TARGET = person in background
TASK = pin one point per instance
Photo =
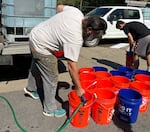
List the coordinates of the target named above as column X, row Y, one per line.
column 63, row 32
column 139, row 39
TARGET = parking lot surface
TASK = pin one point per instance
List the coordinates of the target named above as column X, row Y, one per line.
column 29, row 112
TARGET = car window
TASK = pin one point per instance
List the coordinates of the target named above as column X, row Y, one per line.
column 118, row 14
column 125, row 14
column 132, row 14
column 98, row 12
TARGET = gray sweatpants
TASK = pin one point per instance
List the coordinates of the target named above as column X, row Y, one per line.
column 143, row 46
column 44, row 75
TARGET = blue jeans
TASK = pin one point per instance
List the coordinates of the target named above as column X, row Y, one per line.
column 44, row 75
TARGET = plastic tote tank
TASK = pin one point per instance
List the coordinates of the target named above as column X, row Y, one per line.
column 20, row 16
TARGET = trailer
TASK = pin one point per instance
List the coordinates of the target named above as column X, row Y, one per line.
column 18, row 17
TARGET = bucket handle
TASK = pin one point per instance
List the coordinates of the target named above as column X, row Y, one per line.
column 108, row 109
column 91, row 84
column 95, row 97
column 102, row 104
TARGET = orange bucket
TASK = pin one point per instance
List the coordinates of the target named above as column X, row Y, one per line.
column 106, row 84
column 89, row 86
column 86, row 70
column 82, row 117
column 120, row 81
column 144, row 89
column 103, row 108
column 87, row 77
column 102, row 75
column 142, row 77
column 58, row 53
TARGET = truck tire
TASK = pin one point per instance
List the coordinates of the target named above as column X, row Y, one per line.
column 91, row 43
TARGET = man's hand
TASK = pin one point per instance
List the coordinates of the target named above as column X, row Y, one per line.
column 80, row 92
column 83, row 99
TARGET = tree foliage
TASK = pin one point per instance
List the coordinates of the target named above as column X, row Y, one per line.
column 69, row 2
column 90, row 4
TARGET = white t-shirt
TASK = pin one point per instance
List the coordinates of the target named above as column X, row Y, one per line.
column 62, row 32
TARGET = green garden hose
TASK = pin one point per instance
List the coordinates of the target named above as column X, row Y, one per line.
column 14, row 116
column 71, row 117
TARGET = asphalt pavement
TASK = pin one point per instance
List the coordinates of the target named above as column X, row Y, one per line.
column 28, row 112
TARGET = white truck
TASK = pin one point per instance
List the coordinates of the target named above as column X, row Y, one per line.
column 113, row 13
column 17, row 18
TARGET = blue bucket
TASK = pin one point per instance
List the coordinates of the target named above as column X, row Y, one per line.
column 129, row 103
column 138, row 71
column 130, row 75
column 117, row 73
column 99, row 68
column 127, row 70
column 129, row 53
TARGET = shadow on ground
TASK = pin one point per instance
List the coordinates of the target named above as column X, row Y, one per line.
column 126, row 127
column 65, row 104
column 17, row 71
column 112, row 64
column 21, row 67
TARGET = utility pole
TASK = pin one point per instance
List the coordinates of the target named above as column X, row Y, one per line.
column 81, row 4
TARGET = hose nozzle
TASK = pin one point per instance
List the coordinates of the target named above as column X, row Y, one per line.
column 83, row 99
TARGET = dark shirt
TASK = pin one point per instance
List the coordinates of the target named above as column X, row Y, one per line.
column 137, row 29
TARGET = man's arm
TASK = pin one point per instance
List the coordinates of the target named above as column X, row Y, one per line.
column 73, row 71
column 131, row 40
